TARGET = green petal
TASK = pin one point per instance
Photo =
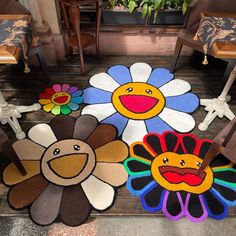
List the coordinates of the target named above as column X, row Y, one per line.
column 56, row 110
column 224, row 169
column 65, row 110
column 136, row 173
column 230, row 184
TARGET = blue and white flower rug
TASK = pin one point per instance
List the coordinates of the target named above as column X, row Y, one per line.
column 139, row 100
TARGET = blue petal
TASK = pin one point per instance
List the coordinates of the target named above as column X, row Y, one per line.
column 77, row 100
column 136, row 192
column 159, row 77
column 159, row 204
column 212, row 214
column 188, row 102
column 73, row 106
column 77, row 93
column 156, row 124
column 228, row 202
column 95, row 96
column 118, row 121
column 120, row 74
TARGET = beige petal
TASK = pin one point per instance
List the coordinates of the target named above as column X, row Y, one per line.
column 12, row 176
column 99, row 194
column 28, row 150
column 115, row 151
column 112, row 173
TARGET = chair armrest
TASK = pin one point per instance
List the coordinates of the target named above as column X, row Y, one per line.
column 218, row 14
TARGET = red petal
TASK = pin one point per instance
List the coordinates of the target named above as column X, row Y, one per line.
column 49, row 91
column 45, row 96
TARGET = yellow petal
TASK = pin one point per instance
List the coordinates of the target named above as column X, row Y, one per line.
column 48, row 107
column 11, row 174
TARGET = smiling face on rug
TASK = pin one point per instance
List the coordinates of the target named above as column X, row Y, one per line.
column 163, row 173
column 138, row 101
column 61, row 98
column 68, row 162
column 177, row 172
column 73, row 166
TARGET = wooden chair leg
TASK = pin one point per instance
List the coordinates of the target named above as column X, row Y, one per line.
column 8, row 151
column 177, row 51
column 81, row 61
column 43, row 65
column 11, row 154
column 98, row 23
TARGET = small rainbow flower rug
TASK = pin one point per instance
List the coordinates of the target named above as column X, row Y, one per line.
column 139, row 100
column 61, row 99
column 73, row 166
column 163, row 174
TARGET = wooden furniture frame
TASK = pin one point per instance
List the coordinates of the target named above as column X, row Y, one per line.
column 219, row 106
column 12, row 54
column 77, row 39
column 192, row 20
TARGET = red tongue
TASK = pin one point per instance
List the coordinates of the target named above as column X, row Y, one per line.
column 61, row 99
column 138, row 103
column 176, row 178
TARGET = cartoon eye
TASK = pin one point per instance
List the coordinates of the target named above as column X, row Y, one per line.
column 76, row 147
column 128, row 90
column 56, row 151
column 182, row 162
column 148, row 91
column 198, row 164
column 165, row 160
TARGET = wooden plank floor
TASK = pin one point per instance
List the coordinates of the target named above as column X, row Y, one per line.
column 19, row 88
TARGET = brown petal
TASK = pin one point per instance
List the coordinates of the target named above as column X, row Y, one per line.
column 75, row 207
column 24, row 193
column 63, row 127
column 102, row 135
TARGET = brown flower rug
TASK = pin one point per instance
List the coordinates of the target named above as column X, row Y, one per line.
column 73, row 166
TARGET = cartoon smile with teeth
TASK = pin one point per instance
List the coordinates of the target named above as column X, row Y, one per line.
column 177, row 172
column 138, row 100
column 61, row 98
column 68, row 162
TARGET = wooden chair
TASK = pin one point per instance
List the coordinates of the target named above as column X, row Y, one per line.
column 77, row 39
column 7, row 150
column 193, row 17
column 224, row 143
column 12, row 9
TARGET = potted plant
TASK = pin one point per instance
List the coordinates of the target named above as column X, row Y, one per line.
column 117, row 12
column 157, row 11
column 161, row 11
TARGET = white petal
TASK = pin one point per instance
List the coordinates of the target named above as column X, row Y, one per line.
column 175, row 87
column 179, row 121
column 134, row 131
column 104, row 81
column 140, row 72
column 42, row 134
column 101, row 111
column 99, row 194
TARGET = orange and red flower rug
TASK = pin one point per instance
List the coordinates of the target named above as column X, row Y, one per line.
column 163, row 174
column 73, row 166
